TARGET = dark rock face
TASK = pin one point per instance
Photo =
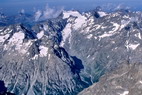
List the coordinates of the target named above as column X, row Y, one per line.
column 64, row 55
column 3, row 89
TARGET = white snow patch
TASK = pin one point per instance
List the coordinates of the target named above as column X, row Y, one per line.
column 89, row 36
column 66, row 33
column 138, row 35
column 49, row 56
column 126, row 16
column 108, row 56
column 97, row 26
column 119, row 87
column 8, row 30
column 102, row 14
column 45, row 27
column 43, row 51
column 113, row 42
column 95, row 37
column 35, row 57
column 24, row 48
column 125, row 93
column 110, row 33
column 114, row 14
column 91, row 20
column 140, row 82
column 103, row 27
column 105, row 35
column 17, row 37
column 87, row 29
column 1, row 30
column 116, row 26
column 67, row 14
column 124, row 23
column 88, row 56
column 132, row 46
column 115, row 48
column 40, row 34
column 79, row 21
column 3, row 38
column 17, row 40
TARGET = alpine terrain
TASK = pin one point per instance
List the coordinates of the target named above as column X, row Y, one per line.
column 69, row 53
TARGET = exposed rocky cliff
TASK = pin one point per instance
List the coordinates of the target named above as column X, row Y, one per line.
column 125, row 80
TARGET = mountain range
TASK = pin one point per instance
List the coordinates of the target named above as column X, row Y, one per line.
column 64, row 55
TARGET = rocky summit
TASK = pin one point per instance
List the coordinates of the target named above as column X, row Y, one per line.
column 66, row 54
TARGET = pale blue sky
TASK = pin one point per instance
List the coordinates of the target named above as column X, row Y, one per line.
column 13, row 6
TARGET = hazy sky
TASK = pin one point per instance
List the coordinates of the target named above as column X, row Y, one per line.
column 12, row 6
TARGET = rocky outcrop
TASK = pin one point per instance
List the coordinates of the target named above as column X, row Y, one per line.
column 125, row 80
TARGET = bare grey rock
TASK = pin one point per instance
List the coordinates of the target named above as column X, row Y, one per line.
column 125, row 80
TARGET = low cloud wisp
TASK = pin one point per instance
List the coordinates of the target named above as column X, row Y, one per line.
column 47, row 13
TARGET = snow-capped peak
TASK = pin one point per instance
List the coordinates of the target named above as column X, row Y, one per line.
column 79, row 21
column 40, row 34
column 102, row 14
column 67, row 14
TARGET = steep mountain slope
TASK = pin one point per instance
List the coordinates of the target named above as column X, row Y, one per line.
column 64, row 55
column 33, row 62
column 125, row 80
column 103, row 40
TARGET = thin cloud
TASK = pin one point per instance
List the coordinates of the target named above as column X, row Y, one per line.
column 47, row 13
column 38, row 15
